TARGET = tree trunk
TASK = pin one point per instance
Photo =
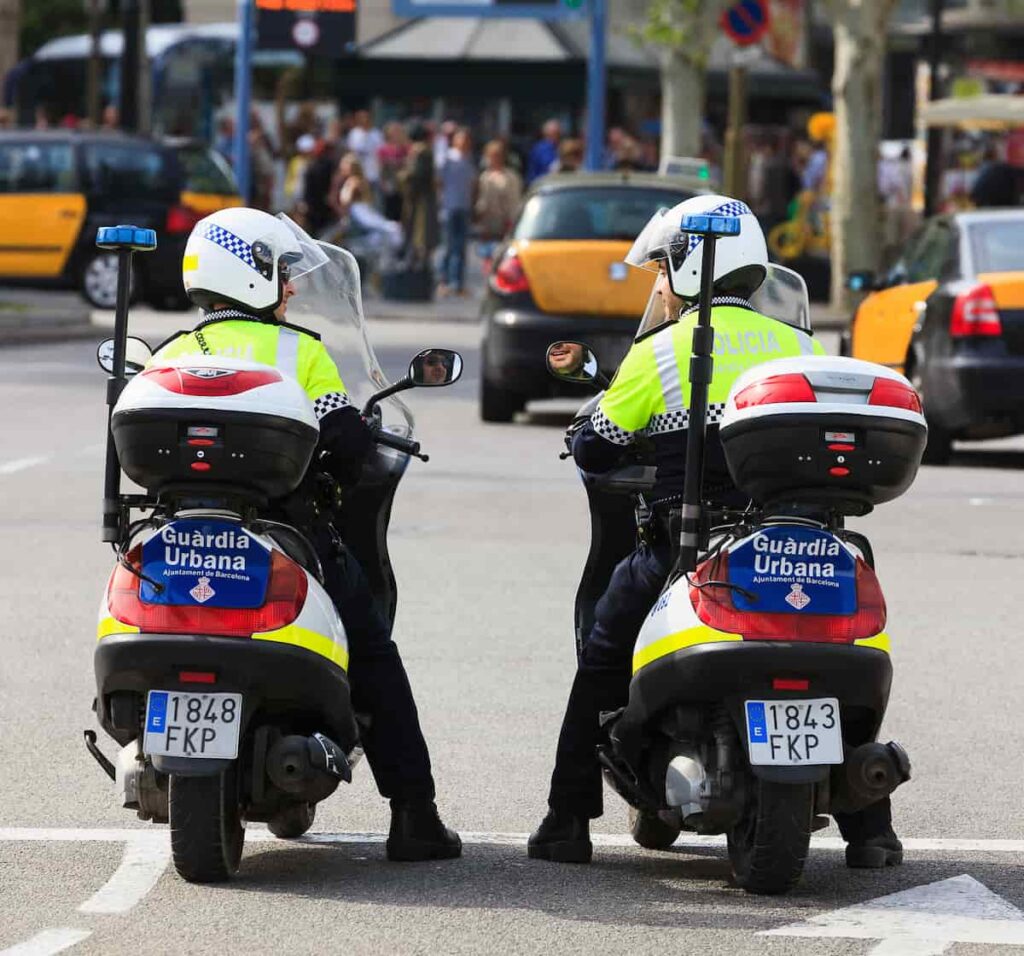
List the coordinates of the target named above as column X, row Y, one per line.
column 10, row 28
column 859, row 31
column 682, row 105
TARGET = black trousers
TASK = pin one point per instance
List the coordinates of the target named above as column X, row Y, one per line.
column 602, row 684
column 393, row 742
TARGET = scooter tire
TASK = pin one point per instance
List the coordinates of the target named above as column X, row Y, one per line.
column 650, row 831
column 769, row 845
column 207, row 834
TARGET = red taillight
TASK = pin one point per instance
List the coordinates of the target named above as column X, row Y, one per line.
column 782, row 683
column 975, row 313
column 211, row 381
column 888, row 391
column 715, row 608
column 509, row 276
column 181, row 219
column 775, row 390
column 197, row 677
column 286, row 595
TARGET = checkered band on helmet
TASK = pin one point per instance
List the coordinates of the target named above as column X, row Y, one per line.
column 228, row 240
column 734, row 207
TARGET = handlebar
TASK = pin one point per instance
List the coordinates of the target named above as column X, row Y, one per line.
column 399, row 443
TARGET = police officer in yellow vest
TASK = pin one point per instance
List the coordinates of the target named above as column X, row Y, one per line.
column 237, row 269
column 649, row 396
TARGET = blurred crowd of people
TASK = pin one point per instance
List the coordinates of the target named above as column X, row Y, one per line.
column 411, row 195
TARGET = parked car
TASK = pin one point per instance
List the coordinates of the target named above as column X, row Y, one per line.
column 950, row 315
column 561, row 275
column 57, row 187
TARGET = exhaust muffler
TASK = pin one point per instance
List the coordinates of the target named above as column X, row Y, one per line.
column 870, row 772
column 308, row 768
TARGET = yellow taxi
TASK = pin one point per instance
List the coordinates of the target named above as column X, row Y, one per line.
column 561, row 275
column 57, row 187
column 950, row 316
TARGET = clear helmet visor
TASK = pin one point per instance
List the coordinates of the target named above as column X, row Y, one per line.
column 327, row 299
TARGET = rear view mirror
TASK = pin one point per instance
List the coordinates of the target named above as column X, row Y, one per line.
column 572, row 362
column 136, row 355
column 435, row 367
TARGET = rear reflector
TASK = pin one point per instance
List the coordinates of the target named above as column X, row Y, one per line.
column 202, row 677
column 776, row 390
column 781, row 683
column 895, row 394
column 975, row 313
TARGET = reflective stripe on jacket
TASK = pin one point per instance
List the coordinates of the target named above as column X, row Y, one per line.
column 290, row 350
column 650, row 393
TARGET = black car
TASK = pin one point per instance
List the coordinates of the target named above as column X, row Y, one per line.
column 57, row 187
column 950, row 315
column 561, row 275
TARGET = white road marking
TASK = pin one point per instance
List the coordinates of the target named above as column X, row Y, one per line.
column 20, row 464
column 254, row 834
column 146, row 856
column 957, row 910
column 47, row 942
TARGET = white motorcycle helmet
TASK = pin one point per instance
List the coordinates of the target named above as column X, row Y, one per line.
column 741, row 262
column 240, row 257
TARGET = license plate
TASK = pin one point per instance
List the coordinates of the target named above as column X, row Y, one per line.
column 180, row 724
column 790, row 733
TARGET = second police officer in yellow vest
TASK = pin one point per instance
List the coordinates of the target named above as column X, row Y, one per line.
column 649, row 396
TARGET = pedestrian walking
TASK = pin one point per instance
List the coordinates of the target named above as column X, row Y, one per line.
column 419, row 200
column 544, row 153
column 499, row 192
column 365, row 140
column 458, row 188
column 391, row 159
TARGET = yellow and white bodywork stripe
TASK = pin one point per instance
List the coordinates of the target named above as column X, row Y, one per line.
column 671, row 625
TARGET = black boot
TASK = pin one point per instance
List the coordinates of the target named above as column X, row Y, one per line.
column 875, row 853
column 417, row 833
column 561, row 838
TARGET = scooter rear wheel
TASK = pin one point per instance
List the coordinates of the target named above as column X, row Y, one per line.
column 207, row 834
column 768, row 847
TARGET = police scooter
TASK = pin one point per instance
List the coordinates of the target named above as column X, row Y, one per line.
column 221, row 663
column 762, row 673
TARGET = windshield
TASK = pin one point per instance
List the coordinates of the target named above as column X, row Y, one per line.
column 782, row 296
column 600, row 213
column 328, row 300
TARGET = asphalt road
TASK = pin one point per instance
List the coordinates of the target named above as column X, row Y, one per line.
column 488, row 540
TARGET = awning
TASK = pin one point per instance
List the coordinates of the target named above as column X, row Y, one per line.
column 989, row 111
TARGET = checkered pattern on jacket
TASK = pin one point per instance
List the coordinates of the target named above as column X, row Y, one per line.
column 329, row 402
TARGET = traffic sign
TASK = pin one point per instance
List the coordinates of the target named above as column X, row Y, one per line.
column 528, row 9
column 746, row 22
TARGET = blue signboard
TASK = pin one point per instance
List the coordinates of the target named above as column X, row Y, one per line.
column 794, row 570
column 746, row 22
column 530, row 9
column 205, row 563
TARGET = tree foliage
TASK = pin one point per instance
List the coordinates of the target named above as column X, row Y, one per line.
column 683, row 26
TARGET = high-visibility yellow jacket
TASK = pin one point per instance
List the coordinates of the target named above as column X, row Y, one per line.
column 650, row 393
column 294, row 351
